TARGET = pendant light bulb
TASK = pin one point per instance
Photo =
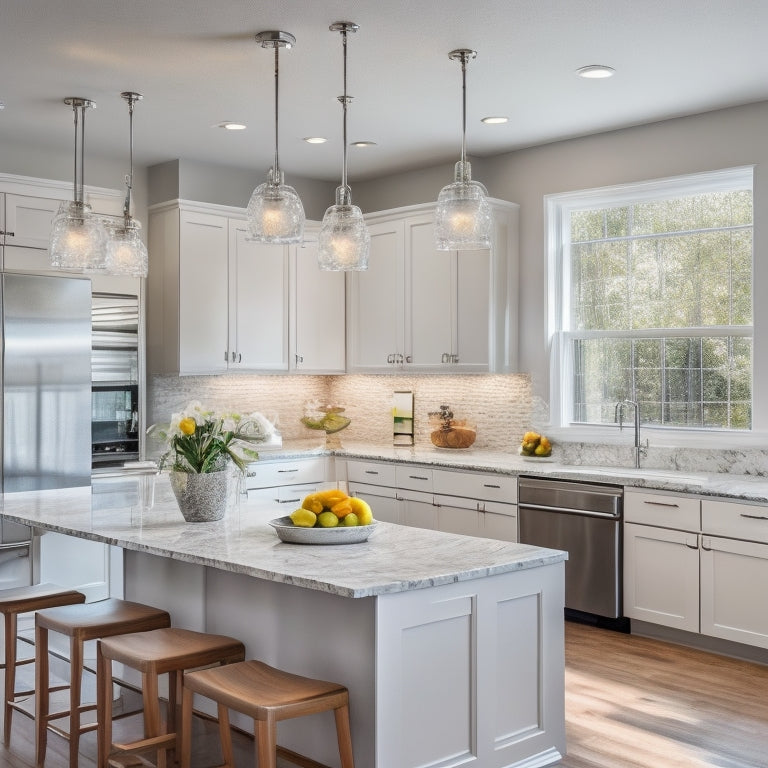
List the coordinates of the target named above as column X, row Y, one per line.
column 344, row 242
column 463, row 215
column 78, row 238
column 275, row 213
column 126, row 252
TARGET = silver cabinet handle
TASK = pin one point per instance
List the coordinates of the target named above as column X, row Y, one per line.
column 444, row 357
column 226, row 356
column 661, row 504
column 755, row 517
column 290, row 501
column 8, row 234
column 239, row 357
column 287, row 471
column 371, row 472
column 409, row 359
column 299, row 359
column 417, row 477
column 390, row 359
column 490, row 485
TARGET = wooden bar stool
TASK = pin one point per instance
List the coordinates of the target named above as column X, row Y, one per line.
column 155, row 653
column 80, row 623
column 268, row 695
column 12, row 603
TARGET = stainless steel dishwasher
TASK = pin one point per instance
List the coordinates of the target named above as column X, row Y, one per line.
column 585, row 520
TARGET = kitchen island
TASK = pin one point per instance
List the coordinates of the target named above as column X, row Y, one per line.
column 451, row 646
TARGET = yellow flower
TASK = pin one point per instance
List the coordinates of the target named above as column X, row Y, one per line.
column 187, row 425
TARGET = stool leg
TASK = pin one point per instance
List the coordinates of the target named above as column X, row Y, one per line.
column 225, row 735
column 41, row 694
column 186, row 727
column 266, row 742
column 103, row 708
column 10, row 674
column 344, row 736
column 152, row 711
column 75, row 687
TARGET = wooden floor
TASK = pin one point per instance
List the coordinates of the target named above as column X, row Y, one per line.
column 636, row 703
column 630, row 703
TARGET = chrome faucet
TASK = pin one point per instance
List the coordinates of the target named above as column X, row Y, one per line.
column 618, row 416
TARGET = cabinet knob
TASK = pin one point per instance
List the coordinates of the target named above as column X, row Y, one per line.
column 409, row 359
column 390, row 359
column 239, row 357
column 299, row 359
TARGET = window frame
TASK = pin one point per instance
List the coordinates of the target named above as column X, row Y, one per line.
column 557, row 209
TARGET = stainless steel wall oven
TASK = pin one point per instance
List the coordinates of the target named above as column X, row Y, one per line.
column 115, row 399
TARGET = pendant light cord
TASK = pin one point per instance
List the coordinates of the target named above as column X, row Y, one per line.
column 344, row 102
column 129, row 177
column 78, row 175
column 276, row 172
column 463, row 108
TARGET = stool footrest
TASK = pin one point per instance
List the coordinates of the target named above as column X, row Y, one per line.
column 153, row 742
column 297, row 759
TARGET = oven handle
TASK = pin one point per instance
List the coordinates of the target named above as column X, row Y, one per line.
column 569, row 511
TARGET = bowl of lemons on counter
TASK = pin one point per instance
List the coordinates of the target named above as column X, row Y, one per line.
column 535, row 445
column 327, row 517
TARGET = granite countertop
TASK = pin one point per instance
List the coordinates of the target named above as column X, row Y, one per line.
column 751, row 488
column 395, row 558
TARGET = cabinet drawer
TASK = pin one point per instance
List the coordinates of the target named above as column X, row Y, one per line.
column 474, row 485
column 413, row 478
column 371, row 472
column 662, row 510
column 734, row 520
column 268, row 475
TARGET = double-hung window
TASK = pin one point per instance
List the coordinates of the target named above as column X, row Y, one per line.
column 651, row 301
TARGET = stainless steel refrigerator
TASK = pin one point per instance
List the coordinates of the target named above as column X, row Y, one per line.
column 46, row 398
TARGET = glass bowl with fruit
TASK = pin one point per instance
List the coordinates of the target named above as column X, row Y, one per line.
column 535, row 446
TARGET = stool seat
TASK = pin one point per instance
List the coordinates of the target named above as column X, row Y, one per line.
column 13, row 602
column 37, row 596
column 261, row 691
column 106, row 617
column 154, row 653
column 268, row 695
column 81, row 623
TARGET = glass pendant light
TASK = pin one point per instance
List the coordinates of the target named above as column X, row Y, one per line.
column 78, row 238
column 344, row 240
column 126, row 253
column 275, row 213
column 463, row 216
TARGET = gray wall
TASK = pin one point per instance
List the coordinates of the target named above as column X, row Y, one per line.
column 223, row 185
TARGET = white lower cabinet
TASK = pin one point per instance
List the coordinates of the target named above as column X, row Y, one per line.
column 661, row 576
column 454, row 501
column 284, row 484
column 707, row 579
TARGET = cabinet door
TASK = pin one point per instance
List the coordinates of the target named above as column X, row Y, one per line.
column 258, row 303
column 459, row 519
column 661, row 576
column 318, row 343
column 375, row 327
column 418, row 510
column 733, row 577
column 473, row 315
column 28, row 221
column 383, row 501
column 203, row 293
column 499, row 526
column 76, row 564
column 430, row 297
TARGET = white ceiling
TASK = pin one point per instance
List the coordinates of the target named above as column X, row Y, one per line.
column 197, row 64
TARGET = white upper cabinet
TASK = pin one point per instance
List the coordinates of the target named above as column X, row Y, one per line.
column 419, row 309
column 258, row 303
column 375, row 331
column 218, row 302
column 27, row 220
column 318, row 316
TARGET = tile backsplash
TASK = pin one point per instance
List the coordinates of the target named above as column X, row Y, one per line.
column 500, row 405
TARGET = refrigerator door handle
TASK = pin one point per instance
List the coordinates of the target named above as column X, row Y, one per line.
column 11, row 547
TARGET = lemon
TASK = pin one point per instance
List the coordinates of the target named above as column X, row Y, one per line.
column 362, row 510
column 327, row 520
column 350, row 520
column 303, row 518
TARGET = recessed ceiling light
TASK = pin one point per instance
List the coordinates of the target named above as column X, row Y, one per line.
column 595, row 71
column 2, row 104
column 230, row 126
column 494, row 120
column 315, row 140
column 363, row 144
